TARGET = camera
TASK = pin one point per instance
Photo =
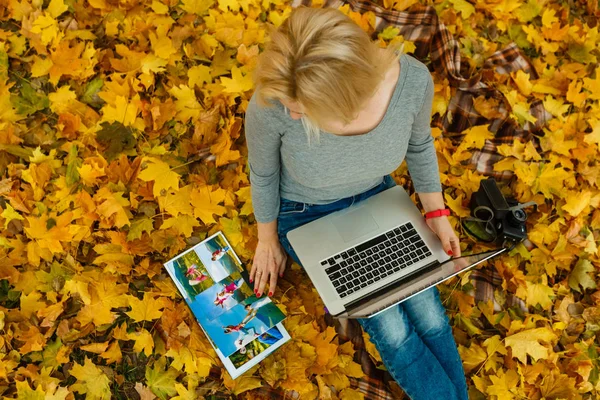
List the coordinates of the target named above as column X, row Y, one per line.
column 498, row 219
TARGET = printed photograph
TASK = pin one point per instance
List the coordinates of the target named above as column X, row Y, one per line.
column 241, row 324
column 252, row 353
column 218, row 257
column 255, row 347
column 223, row 296
column 190, row 274
column 267, row 312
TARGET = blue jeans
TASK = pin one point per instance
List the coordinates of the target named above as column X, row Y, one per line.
column 413, row 338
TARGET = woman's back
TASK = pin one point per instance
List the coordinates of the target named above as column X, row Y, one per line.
column 338, row 166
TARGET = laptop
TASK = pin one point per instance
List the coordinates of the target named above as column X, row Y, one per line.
column 375, row 254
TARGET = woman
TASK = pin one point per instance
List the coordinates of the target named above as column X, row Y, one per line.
column 355, row 112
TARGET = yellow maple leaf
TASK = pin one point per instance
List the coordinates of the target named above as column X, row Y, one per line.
column 556, row 107
column 528, row 343
column 475, row 137
column 244, row 196
column 593, row 86
column 549, row 17
column 472, row 356
column 143, row 341
column 574, row 93
column 24, row 391
column 351, row 394
column 61, row 100
column 56, row 7
column 503, row 384
column 50, row 238
column 96, row 347
column 123, row 111
column 537, row 293
column 232, row 229
column 161, row 43
column 146, row 309
column 184, row 224
column 521, row 78
column 113, row 207
column 222, row 150
column 47, row 27
column 30, row 304
column 178, row 202
column 199, row 7
column 90, row 380
column 113, row 353
column 594, row 136
column 198, row 75
column 186, row 104
column 105, row 294
column 152, row 63
column 184, row 394
column 577, row 202
column 9, row 214
column 206, row 204
column 456, row 205
column 238, row 83
column 161, row 173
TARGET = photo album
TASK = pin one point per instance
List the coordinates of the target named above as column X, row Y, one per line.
column 242, row 328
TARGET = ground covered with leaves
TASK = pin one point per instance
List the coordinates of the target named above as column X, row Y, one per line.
column 121, row 145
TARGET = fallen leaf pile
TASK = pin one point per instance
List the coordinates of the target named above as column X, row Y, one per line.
column 121, row 145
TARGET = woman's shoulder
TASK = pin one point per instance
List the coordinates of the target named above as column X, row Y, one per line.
column 416, row 67
column 273, row 110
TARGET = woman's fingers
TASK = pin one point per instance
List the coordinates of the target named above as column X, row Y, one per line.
column 273, row 281
column 253, row 270
column 455, row 246
column 282, row 268
column 263, row 276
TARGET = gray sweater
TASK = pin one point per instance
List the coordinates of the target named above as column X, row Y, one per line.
column 283, row 164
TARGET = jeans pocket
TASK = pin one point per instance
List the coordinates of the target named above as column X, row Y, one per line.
column 287, row 207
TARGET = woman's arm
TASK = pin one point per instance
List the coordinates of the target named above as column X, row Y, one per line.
column 421, row 157
column 264, row 161
column 422, row 163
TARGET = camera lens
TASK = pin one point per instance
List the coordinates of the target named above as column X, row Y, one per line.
column 517, row 217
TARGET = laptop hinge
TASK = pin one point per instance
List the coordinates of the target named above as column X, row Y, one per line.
column 392, row 285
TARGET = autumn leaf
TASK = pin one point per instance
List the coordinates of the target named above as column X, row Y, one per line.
column 91, row 381
column 161, row 174
column 161, row 382
column 206, row 203
column 527, row 343
column 147, row 309
column 580, row 277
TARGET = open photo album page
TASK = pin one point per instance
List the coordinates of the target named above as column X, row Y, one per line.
column 242, row 328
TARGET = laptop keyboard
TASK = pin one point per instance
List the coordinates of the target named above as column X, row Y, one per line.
column 373, row 260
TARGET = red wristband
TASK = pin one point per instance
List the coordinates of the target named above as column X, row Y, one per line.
column 437, row 213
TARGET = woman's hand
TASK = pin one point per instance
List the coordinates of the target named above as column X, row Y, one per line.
column 442, row 228
column 269, row 263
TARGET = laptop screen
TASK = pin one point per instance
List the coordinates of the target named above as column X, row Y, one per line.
column 410, row 285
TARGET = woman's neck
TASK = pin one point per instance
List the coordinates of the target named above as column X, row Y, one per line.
column 374, row 110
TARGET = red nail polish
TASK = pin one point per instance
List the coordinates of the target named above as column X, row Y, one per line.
column 255, row 291
column 250, row 280
column 449, row 252
column 270, row 294
column 258, row 295
column 281, row 275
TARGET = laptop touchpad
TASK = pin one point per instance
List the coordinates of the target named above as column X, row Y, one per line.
column 354, row 224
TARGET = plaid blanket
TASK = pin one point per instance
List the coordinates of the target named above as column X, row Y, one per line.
column 436, row 46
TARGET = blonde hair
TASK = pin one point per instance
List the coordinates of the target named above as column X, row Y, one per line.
column 323, row 60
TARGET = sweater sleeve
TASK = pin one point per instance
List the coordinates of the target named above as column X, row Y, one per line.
column 421, row 157
column 264, row 162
